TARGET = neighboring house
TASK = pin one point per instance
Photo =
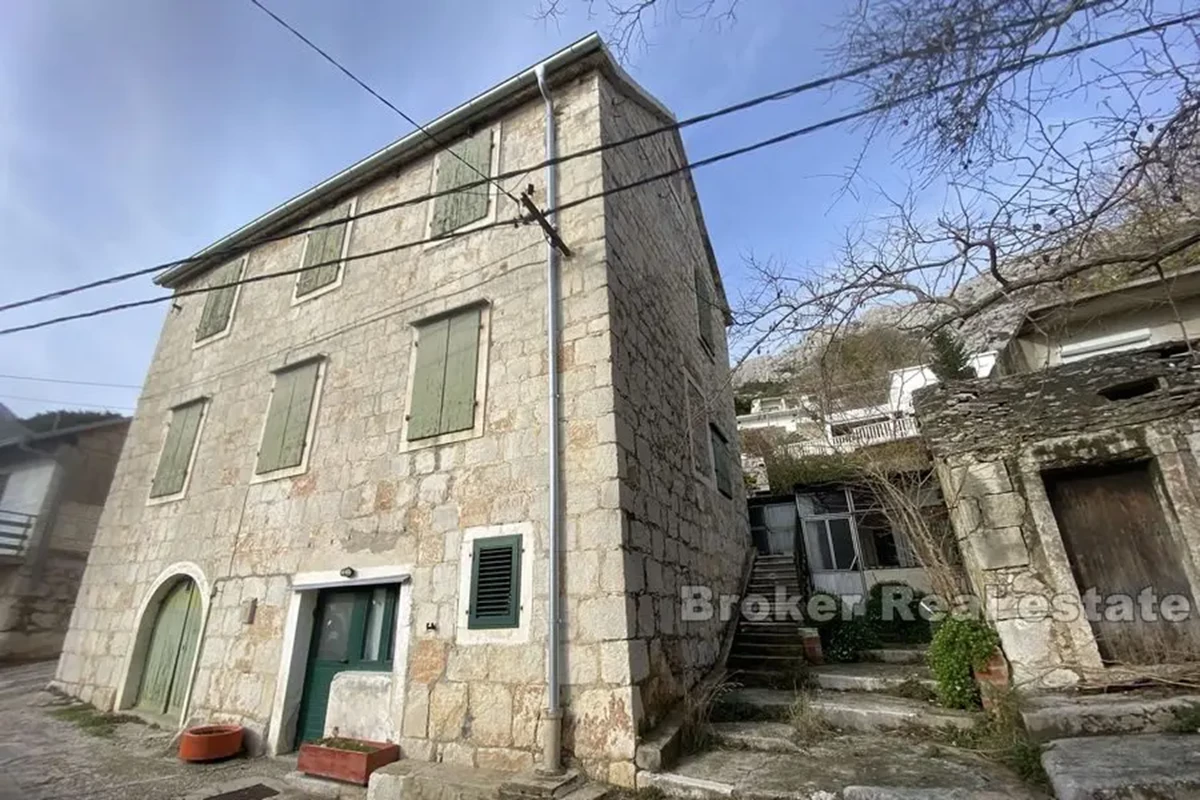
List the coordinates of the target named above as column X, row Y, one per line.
column 334, row 512
column 1071, row 483
column 52, row 489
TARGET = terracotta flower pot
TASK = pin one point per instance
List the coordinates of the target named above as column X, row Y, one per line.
column 992, row 679
column 210, row 742
column 349, row 760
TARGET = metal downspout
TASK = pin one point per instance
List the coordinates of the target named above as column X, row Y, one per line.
column 552, row 730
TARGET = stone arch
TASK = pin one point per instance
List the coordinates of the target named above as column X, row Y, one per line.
column 135, row 660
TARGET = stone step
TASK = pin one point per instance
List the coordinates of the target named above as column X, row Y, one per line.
column 766, row 662
column 866, row 677
column 1152, row 765
column 1049, row 717
column 408, row 779
column 313, row 787
column 844, row 767
column 742, row 648
column 853, row 711
column 906, row 654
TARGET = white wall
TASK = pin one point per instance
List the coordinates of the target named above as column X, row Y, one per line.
column 27, row 486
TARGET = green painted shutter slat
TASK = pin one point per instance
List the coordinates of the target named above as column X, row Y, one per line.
column 324, row 245
column 429, row 376
column 218, row 306
column 295, row 430
column 177, row 451
column 704, row 307
column 495, row 583
column 187, row 652
column 462, row 361
column 270, row 449
column 474, row 158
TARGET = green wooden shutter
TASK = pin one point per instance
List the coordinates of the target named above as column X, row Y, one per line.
column 474, row 158
column 429, row 378
column 698, row 431
column 495, row 583
column 277, row 414
column 720, row 448
column 462, row 363
column 218, row 306
column 704, row 307
column 190, row 637
column 324, row 245
column 295, row 430
column 177, row 451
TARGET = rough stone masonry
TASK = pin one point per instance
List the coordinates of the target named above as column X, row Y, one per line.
column 639, row 520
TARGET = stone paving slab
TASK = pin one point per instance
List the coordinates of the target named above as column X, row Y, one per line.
column 869, row 676
column 845, row 767
column 1056, row 716
column 43, row 758
column 1153, row 765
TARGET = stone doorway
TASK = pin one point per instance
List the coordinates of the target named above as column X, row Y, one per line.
column 1120, row 547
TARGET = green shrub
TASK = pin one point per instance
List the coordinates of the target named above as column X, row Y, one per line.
column 960, row 644
column 897, row 629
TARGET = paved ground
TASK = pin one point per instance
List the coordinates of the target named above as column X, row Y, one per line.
column 44, row 758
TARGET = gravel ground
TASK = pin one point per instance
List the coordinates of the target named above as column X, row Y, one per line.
column 46, row 758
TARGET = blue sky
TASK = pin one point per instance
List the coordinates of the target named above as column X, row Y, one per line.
column 137, row 131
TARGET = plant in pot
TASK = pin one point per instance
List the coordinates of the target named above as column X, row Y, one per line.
column 342, row 759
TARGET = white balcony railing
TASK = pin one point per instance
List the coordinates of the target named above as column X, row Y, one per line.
column 15, row 528
column 889, row 430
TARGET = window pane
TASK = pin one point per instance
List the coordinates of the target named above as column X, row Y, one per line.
column 376, row 619
column 843, row 543
column 818, row 544
column 333, row 631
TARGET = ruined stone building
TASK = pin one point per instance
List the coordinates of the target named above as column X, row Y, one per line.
column 1072, row 483
column 52, row 489
column 334, row 511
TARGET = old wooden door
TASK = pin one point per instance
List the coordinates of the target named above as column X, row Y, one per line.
column 352, row 630
column 170, row 652
column 1118, row 542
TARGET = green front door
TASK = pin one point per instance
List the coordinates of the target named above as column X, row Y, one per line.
column 352, row 630
column 170, row 652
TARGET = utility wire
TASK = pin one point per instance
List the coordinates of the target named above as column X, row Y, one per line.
column 73, row 383
column 782, row 94
column 380, row 97
column 63, row 403
column 726, row 155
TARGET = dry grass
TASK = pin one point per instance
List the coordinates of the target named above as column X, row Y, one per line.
column 806, row 721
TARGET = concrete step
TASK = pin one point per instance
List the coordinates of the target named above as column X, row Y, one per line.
column 897, row 654
column 1160, row 766
column 407, row 779
column 313, row 787
column 1062, row 716
column 866, row 677
column 852, row 711
column 792, row 648
column 766, row 662
column 839, row 767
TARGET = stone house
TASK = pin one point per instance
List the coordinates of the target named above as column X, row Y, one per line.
column 1071, row 481
column 52, row 489
column 336, row 513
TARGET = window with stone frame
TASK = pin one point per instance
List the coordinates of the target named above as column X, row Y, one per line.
column 326, row 247
column 286, row 433
column 445, row 374
column 219, row 303
column 175, row 459
column 465, row 162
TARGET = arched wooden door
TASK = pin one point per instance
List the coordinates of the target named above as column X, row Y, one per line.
column 170, row 651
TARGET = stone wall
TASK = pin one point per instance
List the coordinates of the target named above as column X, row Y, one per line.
column 678, row 529
column 66, row 490
column 370, row 501
column 993, row 439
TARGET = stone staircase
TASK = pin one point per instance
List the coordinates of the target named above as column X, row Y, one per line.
column 769, row 652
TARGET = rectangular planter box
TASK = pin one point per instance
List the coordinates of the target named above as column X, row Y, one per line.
column 351, row 766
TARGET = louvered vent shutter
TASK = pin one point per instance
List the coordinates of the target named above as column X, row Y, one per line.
column 495, row 583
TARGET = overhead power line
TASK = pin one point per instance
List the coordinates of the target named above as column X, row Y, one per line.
column 65, row 403
column 782, row 94
column 724, row 156
column 379, row 97
column 73, row 383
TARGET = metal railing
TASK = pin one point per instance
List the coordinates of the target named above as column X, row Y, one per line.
column 15, row 530
column 888, row 430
